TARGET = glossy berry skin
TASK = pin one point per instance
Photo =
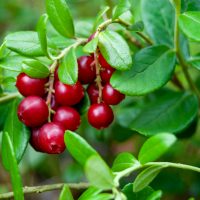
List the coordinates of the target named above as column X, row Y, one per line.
column 34, row 141
column 93, row 93
column 86, row 69
column 106, row 74
column 100, row 115
column 68, row 117
column 111, row 96
column 51, row 138
column 68, row 95
column 28, row 86
column 54, row 105
column 103, row 62
column 33, row 111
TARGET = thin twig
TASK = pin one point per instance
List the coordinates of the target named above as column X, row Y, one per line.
column 145, row 38
column 9, row 97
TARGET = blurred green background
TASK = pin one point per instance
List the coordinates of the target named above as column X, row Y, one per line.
column 38, row 169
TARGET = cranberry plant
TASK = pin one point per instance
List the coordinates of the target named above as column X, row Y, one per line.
column 140, row 75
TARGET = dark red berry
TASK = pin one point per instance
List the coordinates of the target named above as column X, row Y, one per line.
column 34, row 141
column 106, row 74
column 86, row 69
column 51, row 138
column 100, row 115
column 54, row 105
column 93, row 93
column 68, row 117
column 33, row 111
column 111, row 96
column 56, row 78
column 68, row 95
column 103, row 62
column 28, row 86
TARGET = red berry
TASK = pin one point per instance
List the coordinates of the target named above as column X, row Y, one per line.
column 68, row 117
column 103, row 62
column 28, row 86
column 106, row 74
column 68, row 95
column 33, row 111
column 100, row 115
column 34, row 141
column 51, row 138
column 111, row 96
column 93, row 93
column 56, row 78
column 86, row 69
column 54, row 105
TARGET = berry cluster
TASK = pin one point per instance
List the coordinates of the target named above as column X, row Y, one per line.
column 49, row 118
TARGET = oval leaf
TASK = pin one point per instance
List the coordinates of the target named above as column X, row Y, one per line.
column 18, row 133
column 124, row 161
column 162, row 30
column 155, row 147
column 25, row 42
column 9, row 156
column 160, row 116
column 89, row 193
column 42, row 33
column 60, row 17
column 66, row 194
column 68, row 70
column 189, row 23
column 115, row 50
column 146, row 177
column 78, row 147
column 153, row 68
column 98, row 173
column 35, row 69
column 91, row 46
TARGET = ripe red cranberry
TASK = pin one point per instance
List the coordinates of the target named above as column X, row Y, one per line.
column 111, row 96
column 68, row 117
column 93, row 93
column 103, row 62
column 34, row 141
column 54, row 105
column 28, row 86
column 33, row 111
column 56, row 78
column 86, row 69
column 51, row 138
column 106, row 74
column 100, row 115
column 68, row 95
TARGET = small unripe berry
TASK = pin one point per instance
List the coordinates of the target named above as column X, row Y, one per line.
column 86, row 69
column 51, row 138
column 100, row 115
column 68, row 117
column 33, row 111
column 68, row 95
column 93, row 93
column 28, row 86
column 111, row 96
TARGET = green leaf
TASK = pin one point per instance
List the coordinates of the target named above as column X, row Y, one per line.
column 115, row 50
column 162, row 30
column 60, row 17
column 25, row 42
column 137, row 27
column 155, row 147
column 123, row 161
column 122, row 7
column 146, row 177
column 189, row 23
column 152, row 69
column 13, row 168
column 91, row 46
column 98, row 173
column 42, row 33
column 89, row 193
column 141, row 195
column 35, row 69
column 3, row 50
column 78, row 147
column 155, row 195
column 19, row 134
column 160, row 116
column 12, row 63
column 66, row 194
column 99, row 17
column 68, row 70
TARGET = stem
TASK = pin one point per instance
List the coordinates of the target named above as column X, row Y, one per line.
column 145, row 38
column 45, row 188
column 175, row 80
column 184, row 65
column 98, row 76
column 8, row 97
